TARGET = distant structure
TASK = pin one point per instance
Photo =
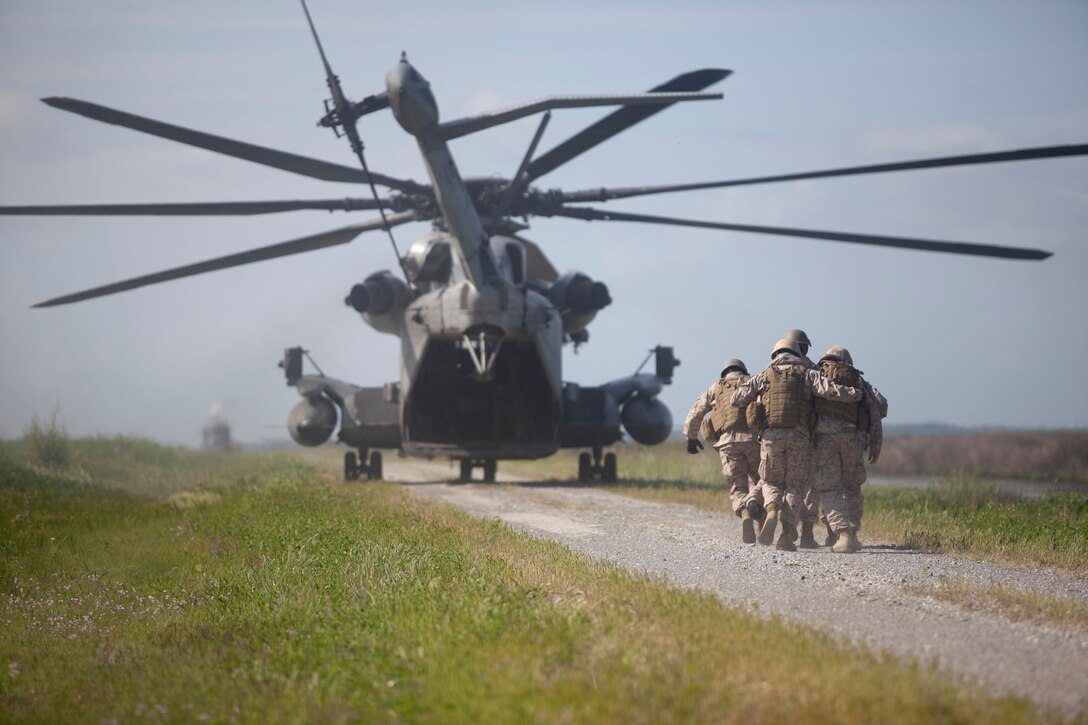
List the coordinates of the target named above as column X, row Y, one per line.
column 217, row 431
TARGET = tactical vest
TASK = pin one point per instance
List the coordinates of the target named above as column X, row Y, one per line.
column 787, row 402
column 856, row 414
column 725, row 416
column 756, row 417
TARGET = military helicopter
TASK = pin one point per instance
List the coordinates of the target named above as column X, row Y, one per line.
column 481, row 314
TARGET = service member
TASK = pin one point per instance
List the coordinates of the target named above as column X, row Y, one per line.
column 843, row 432
column 810, row 510
column 786, row 390
column 727, row 430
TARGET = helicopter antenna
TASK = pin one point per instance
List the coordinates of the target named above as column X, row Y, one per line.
column 345, row 115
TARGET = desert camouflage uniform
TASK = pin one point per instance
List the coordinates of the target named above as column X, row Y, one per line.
column 810, row 507
column 839, row 461
column 786, row 453
column 738, row 450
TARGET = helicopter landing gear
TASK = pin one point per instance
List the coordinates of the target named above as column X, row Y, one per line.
column 591, row 468
column 356, row 466
column 489, row 465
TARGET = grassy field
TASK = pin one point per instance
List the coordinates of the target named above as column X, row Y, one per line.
column 140, row 582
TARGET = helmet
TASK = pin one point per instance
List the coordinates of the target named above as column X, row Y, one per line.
column 840, row 354
column 798, row 336
column 734, row 364
column 785, row 345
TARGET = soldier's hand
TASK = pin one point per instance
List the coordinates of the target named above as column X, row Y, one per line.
column 873, row 455
column 694, row 445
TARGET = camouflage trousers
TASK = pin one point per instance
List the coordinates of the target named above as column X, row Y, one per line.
column 839, row 473
column 810, row 509
column 740, row 466
column 785, row 459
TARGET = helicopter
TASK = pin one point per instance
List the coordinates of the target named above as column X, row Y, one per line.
column 481, row 314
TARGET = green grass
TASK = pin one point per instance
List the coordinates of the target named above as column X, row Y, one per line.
column 1008, row 601
column 963, row 516
column 284, row 595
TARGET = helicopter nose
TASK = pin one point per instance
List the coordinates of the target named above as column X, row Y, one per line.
column 411, row 98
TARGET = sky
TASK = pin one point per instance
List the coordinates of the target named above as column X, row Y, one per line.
column 947, row 338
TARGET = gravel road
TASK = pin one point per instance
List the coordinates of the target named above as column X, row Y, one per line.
column 857, row 596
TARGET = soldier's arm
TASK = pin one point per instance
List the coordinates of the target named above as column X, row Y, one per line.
column 698, row 411
column 876, row 429
column 824, row 388
column 748, row 390
column 879, row 399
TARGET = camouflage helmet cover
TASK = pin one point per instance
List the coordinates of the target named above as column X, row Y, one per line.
column 798, row 336
column 785, row 345
column 734, row 364
column 841, row 354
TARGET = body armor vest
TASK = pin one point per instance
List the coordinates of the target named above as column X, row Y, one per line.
column 787, row 403
column 725, row 416
column 842, row 373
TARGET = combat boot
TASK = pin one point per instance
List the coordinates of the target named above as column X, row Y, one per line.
column 808, row 541
column 770, row 524
column 844, row 542
column 787, row 537
column 747, row 527
column 831, row 535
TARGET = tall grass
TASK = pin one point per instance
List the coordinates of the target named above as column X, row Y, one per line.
column 964, row 516
column 1031, row 455
column 47, row 442
column 287, row 596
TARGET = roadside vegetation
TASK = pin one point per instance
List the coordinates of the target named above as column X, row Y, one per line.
column 1007, row 601
column 961, row 515
column 142, row 582
column 969, row 517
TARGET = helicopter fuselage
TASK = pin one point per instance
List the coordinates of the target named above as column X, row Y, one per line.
column 481, row 338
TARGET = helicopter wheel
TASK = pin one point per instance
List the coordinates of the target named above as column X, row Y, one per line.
column 351, row 466
column 490, row 467
column 374, row 473
column 466, row 471
column 608, row 474
column 585, row 471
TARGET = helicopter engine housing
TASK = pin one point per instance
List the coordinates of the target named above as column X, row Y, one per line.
column 428, row 261
column 646, row 419
column 578, row 299
column 380, row 299
column 312, row 421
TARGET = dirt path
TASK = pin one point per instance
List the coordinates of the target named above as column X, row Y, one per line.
column 857, row 596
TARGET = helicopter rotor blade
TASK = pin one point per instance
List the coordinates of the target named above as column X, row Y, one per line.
column 282, row 160
column 283, row 249
column 929, row 245
column 211, row 208
column 620, row 120
column 1043, row 152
